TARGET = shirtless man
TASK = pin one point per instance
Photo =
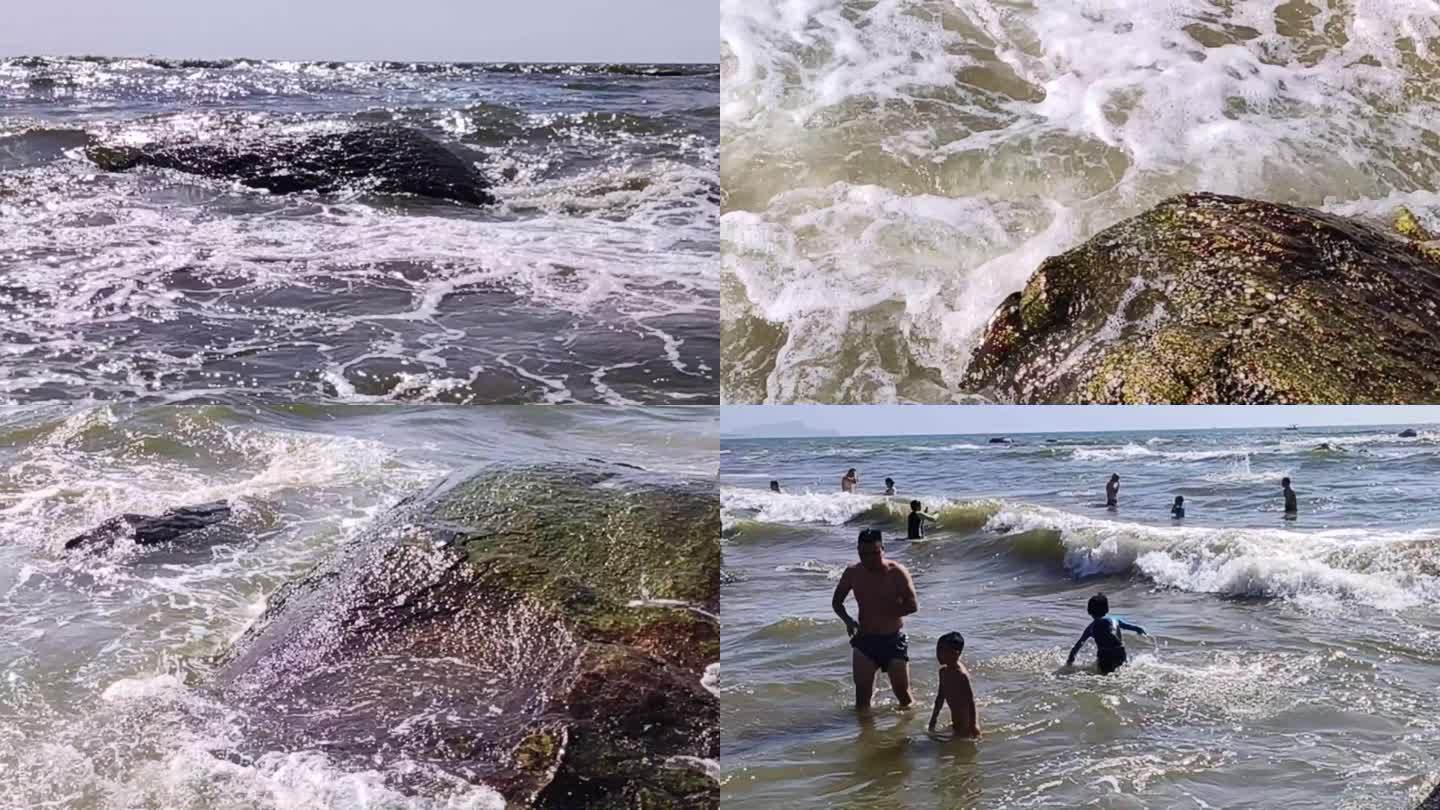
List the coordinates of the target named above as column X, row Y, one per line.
column 1291, row 509
column 1112, row 491
column 849, row 481
column 885, row 594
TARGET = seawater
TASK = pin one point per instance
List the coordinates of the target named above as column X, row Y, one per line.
column 1290, row 663
column 104, row 659
column 593, row 279
column 893, row 169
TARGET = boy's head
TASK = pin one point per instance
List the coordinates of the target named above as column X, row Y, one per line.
column 889, row 482
column 1285, row 482
column 1114, row 477
column 871, row 547
column 1179, row 499
column 914, row 506
column 774, row 486
column 1099, row 606
column 949, row 648
column 850, row 471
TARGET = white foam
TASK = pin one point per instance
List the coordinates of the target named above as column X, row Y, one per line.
column 896, row 168
column 831, row 508
column 1390, row 570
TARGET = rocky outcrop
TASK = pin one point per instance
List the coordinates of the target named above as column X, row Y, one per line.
column 544, row 631
column 1431, row 802
column 1214, row 299
column 148, row 530
column 380, row 159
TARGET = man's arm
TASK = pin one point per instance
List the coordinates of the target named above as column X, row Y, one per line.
column 837, row 602
column 1074, row 651
column 1134, row 628
column 909, row 601
column 924, row 516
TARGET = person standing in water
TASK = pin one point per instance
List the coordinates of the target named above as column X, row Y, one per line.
column 889, row 486
column 849, row 481
column 1291, row 509
column 775, row 487
column 917, row 522
column 1112, row 491
column 955, row 687
column 885, row 594
column 1105, row 629
column 1177, row 510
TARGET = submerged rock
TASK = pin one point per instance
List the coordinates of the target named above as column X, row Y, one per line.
column 544, row 631
column 152, row 529
column 382, row 159
column 1407, row 433
column 1214, row 299
column 1000, row 440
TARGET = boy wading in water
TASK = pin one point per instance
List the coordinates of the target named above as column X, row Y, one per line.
column 917, row 519
column 955, row 688
column 885, row 594
column 1105, row 629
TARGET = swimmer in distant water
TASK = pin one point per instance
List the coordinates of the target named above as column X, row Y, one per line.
column 849, row 481
column 885, row 594
column 1112, row 491
column 917, row 522
column 775, row 487
column 1291, row 509
column 1177, row 510
column 955, row 687
column 889, row 486
column 1105, row 629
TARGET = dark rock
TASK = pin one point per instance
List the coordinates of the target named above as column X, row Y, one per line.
column 381, row 159
column 1431, row 802
column 1214, row 299
column 1000, row 440
column 1408, row 433
column 150, row 530
column 544, row 631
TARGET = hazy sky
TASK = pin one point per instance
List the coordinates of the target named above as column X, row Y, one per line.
column 401, row 30
column 890, row 420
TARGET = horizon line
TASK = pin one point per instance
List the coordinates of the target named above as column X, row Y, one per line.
column 83, row 56
column 724, row 435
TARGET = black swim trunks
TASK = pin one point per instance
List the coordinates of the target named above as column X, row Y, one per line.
column 1110, row 659
column 882, row 648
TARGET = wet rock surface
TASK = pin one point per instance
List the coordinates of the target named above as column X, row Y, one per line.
column 152, row 529
column 379, row 159
column 544, row 631
column 1215, row 299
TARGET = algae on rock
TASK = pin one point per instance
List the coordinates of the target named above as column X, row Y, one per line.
column 542, row 630
column 1214, row 299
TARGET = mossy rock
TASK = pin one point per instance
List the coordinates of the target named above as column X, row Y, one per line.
column 541, row 630
column 1214, row 299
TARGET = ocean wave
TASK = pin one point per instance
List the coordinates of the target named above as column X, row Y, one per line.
column 840, row 508
column 1390, row 570
column 1136, row 451
column 905, row 183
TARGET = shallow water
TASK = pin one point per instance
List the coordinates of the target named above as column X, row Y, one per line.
column 593, row 279
column 893, row 169
column 103, row 659
column 1291, row 663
